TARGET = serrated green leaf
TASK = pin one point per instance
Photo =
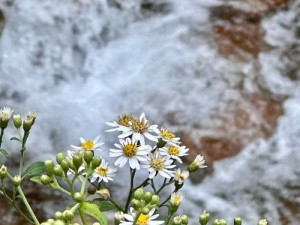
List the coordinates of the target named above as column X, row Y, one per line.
column 93, row 210
column 4, row 152
column 15, row 139
column 34, row 169
column 104, row 205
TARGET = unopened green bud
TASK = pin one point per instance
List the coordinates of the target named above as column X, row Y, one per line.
column 77, row 160
column 138, row 194
column 49, row 167
column 59, row 222
column 147, row 196
column 145, row 210
column 45, row 179
column 237, row 221
column 216, row 222
column 91, row 190
column 27, row 124
column 155, row 199
column 184, row 219
column 65, row 165
column 58, row 171
column 78, row 197
column 59, row 215
column 262, row 222
column 222, row 222
column 68, row 215
column 135, row 204
column 103, row 193
column 17, row 180
column 88, row 156
column 3, row 172
column 17, row 120
column 96, row 162
column 177, row 220
column 59, row 157
column 5, row 114
column 204, row 218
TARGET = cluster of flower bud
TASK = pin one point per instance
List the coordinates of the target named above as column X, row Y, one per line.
column 180, row 220
column 143, row 201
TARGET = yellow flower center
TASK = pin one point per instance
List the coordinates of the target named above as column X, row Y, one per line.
column 176, row 200
column 157, row 164
column 140, row 126
column 124, row 120
column 88, row 145
column 166, row 134
column 143, row 219
column 179, row 176
column 129, row 150
column 102, row 171
column 173, row 150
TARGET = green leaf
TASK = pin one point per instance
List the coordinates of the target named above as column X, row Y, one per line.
column 93, row 210
column 15, row 139
column 104, row 205
column 34, row 169
column 4, row 152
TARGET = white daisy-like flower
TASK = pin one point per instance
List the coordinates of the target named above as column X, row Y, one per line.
column 181, row 176
column 159, row 164
column 174, row 151
column 144, row 219
column 103, row 172
column 88, row 145
column 121, row 123
column 139, row 129
column 168, row 136
column 128, row 150
column 176, row 198
column 5, row 113
column 200, row 161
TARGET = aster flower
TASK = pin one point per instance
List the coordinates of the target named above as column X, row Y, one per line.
column 181, row 176
column 122, row 123
column 103, row 172
column 144, row 219
column 167, row 136
column 139, row 129
column 88, row 145
column 5, row 113
column 161, row 164
column 128, row 150
column 174, row 151
column 176, row 199
column 199, row 162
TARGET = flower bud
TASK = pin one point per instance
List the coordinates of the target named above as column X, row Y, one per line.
column 78, row 197
column 147, row 197
column 17, row 180
column 59, row 222
column 262, row 222
column 58, row 171
column 204, row 218
column 145, row 210
column 49, row 167
column 91, row 190
column 5, row 114
column 155, row 199
column 96, row 162
column 103, row 193
column 65, row 165
column 3, row 172
column 222, row 222
column 27, row 124
column 177, row 220
column 138, row 194
column 45, row 179
column 216, row 222
column 77, row 160
column 59, row 215
column 199, row 162
column 17, row 121
column 184, row 219
column 88, row 156
column 68, row 215
column 59, row 157
column 237, row 221
column 135, row 204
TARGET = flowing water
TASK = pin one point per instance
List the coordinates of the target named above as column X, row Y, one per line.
column 80, row 63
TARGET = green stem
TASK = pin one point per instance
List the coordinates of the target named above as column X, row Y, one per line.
column 143, row 183
column 162, row 186
column 165, row 201
column 116, row 205
column 83, row 218
column 58, row 187
column 28, row 206
column 26, row 134
column 153, row 186
column 1, row 136
column 132, row 173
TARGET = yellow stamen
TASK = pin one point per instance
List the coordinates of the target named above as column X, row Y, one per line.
column 102, row 171
column 124, row 120
column 157, row 164
column 173, row 150
column 129, row 150
column 88, row 145
column 166, row 134
column 140, row 126
column 143, row 219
